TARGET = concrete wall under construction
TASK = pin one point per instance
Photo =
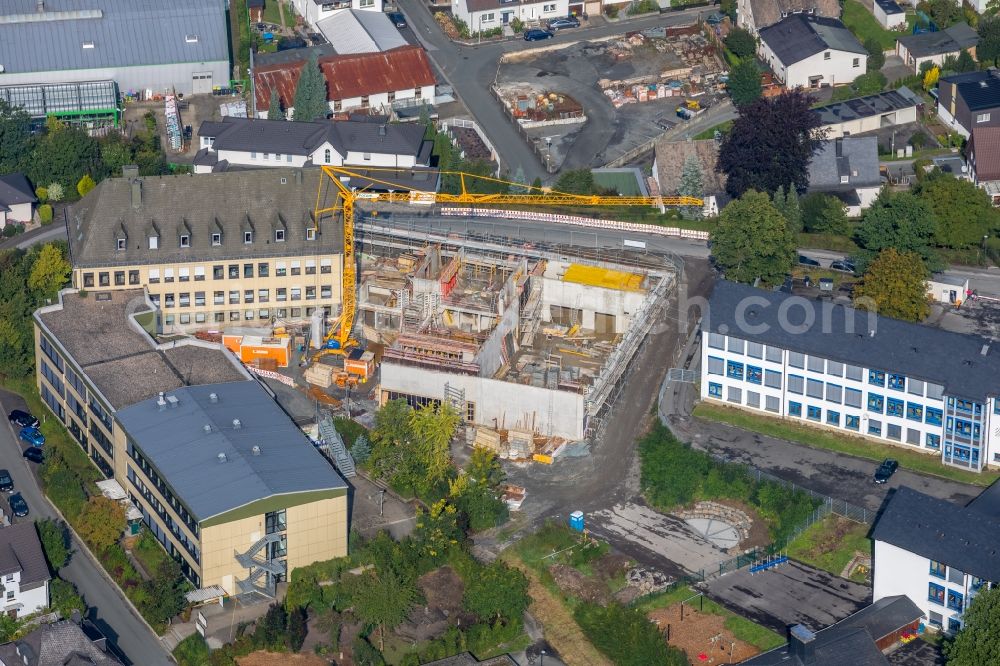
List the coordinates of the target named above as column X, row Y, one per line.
column 591, row 300
column 498, row 403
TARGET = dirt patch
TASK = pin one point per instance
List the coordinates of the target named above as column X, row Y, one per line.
column 701, row 634
column 759, row 536
column 264, row 658
column 612, row 566
column 575, row 584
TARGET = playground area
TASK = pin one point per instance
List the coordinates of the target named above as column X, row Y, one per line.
column 702, row 635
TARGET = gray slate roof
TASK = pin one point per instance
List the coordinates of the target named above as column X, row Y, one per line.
column 965, row 538
column 175, row 443
column 125, row 33
column 799, row 36
column 61, row 643
column 950, row 40
column 15, row 189
column 865, row 107
column 226, row 202
column 897, row 346
column 21, row 550
column 854, row 157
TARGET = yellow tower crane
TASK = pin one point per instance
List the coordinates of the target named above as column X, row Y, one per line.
column 338, row 340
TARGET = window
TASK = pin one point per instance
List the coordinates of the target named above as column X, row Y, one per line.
column 874, row 427
column 796, row 360
column 325, row 266
column 893, row 431
column 834, row 368
column 852, row 422
column 826, row 55
column 199, row 299
column 267, row 156
column 833, row 393
column 772, row 403
column 263, row 269
column 734, row 369
column 88, row 279
column 954, row 624
column 715, row 364
column 894, row 407
column 773, row 354
column 933, row 441
column 934, row 619
column 857, row 63
column 795, row 384
column 216, row 239
column 184, row 274
column 795, row 409
column 263, row 295
column 754, row 374
column 154, row 242
column 326, row 156
column 311, row 233
column 913, row 436
column 199, row 273
column 897, row 382
column 772, row 379
column 219, row 317
column 253, row 154
column 755, row 350
column 281, row 294
column 219, row 298
column 310, row 267
column 247, row 237
column 168, row 300
column 296, row 268
column 715, row 390
column 275, row 521
column 548, row 8
column 735, row 395
column 168, row 275
column 814, row 413
column 279, row 234
column 716, row 341
column 248, row 296
column 832, row 418
column 185, row 240
column 736, row 345
column 234, row 271
column 854, row 372
column 234, row 315
column 956, row 576
column 935, row 594
column 875, row 403
column 297, row 295
column 326, row 291
column 121, row 244
column 816, row 364
column 248, row 271
column 955, row 600
column 367, row 156
column 310, row 293
column 104, row 279
column 279, row 269
column 184, row 299
column 876, row 378
column 119, row 278
column 915, row 387
column 933, row 416
column 185, row 319
column 234, row 297
column 814, row 388
column 982, row 117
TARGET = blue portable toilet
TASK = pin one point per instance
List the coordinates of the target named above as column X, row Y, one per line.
column 268, row 36
column 576, row 521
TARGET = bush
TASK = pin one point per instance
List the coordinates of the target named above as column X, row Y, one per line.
column 643, row 7
column 64, row 598
column 365, row 654
column 611, row 11
column 56, row 192
column 42, row 193
column 918, row 140
column 45, row 214
column 55, row 542
column 626, row 636
column 9, row 230
column 192, row 651
column 517, row 25
column 741, row 43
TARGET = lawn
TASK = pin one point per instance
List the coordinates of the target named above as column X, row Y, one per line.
column 272, row 14
column 192, row 651
column 862, row 23
column 831, row 543
column 710, row 132
column 149, row 552
column 832, row 242
column 855, row 446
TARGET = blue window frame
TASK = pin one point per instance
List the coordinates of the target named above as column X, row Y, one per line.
column 795, row 409
column 875, row 403
column 894, row 407
column 914, row 411
column 897, row 382
column 734, row 370
column 966, row 406
column 955, row 600
column 937, row 569
column 962, row 427
column 852, row 422
column 814, row 413
column 754, row 374
column 933, row 416
column 954, row 624
column 935, row 594
column 833, row 418
column 996, row 405
column 876, row 378
column 715, row 390
column 874, row 427
column 933, row 441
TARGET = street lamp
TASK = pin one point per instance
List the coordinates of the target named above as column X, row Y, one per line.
column 541, row 658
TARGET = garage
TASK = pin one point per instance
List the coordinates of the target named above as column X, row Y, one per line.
column 202, row 83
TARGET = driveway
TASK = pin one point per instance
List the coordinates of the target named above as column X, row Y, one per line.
column 108, row 609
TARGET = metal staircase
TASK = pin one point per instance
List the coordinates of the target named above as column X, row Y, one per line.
column 333, row 443
column 530, row 321
column 267, row 568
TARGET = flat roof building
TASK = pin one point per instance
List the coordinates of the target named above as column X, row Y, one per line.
column 869, row 113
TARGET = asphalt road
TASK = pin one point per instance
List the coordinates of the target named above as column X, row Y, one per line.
column 471, row 70
column 108, row 609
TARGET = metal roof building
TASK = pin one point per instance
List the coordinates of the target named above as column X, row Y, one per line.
column 140, row 44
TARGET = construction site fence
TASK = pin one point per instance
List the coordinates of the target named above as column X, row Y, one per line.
column 471, row 124
column 270, row 374
column 544, row 156
column 577, row 220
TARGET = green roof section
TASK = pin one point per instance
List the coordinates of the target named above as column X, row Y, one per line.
column 628, row 182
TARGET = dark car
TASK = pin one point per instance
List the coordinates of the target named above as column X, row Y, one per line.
column 397, row 19
column 562, row 23
column 844, row 266
column 18, row 505
column 21, row 419
column 33, row 454
column 885, row 470
column 537, row 35
column 807, row 261
column 6, row 483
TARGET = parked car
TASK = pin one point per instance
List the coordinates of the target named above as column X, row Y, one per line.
column 17, row 505
column 32, row 436
column 843, row 266
column 6, row 482
column 397, row 19
column 886, row 470
column 537, row 34
column 22, row 419
column 34, row 455
column 807, row 261
column 562, row 23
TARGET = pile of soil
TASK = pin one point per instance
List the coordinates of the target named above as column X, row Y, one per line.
column 265, row 658
column 701, row 634
column 443, row 589
column 573, row 583
column 612, row 565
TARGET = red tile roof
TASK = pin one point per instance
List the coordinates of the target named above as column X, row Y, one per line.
column 347, row 76
column 985, row 151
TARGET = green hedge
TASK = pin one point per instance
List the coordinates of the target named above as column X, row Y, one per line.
column 626, row 636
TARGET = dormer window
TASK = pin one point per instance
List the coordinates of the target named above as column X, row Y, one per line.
column 121, row 244
column 216, row 239
column 154, row 242
column 845, row 179
column 311, row 233
column 279, row 235
column 185, row 240
column 247, row 237
column 326, row 156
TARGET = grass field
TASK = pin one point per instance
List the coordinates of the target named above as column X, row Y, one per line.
column 830, row 544
column 862, row 23
column 855, row 446
column 710, row 132
column 272, row 14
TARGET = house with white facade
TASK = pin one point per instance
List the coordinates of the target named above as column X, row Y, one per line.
column 483, row 15
column 936, row 47
column 313, row 11
column 847, row 168
column 869, row 113
column 808, row 51
column 854, row 373
column 889, row 14
column 24, row 572
column 937, row 553
column 17, row 200
column 247, row 142
column 755, row 15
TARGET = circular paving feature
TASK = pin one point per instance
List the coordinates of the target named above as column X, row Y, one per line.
column 720, row 534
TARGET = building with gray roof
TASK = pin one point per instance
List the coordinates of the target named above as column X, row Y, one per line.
column 869, row 113
column 809, row 51
column 847, row 168
column 24, row 570
column 935, row 47
column 72, row 642
column 142, row 45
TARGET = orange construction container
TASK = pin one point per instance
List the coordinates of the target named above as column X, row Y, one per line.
column 232, row 342
column 254, row 347
column 360, row 363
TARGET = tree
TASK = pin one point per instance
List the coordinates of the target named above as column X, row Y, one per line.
column 536, row 185
column 752, row 240
column 49, row 273
column 876, row 56
column 895, row 286
column 436, row 530
column 988, row 46
column 520, row 187
column 15, row 136
column 63, row 154
column 56, row 192
column 55, row 542
column 870, row 83
column 965, row 63
column 384, row 601
column 165, row 592
column 274, row 111
column 897, row 220
column 270, row 631
column 785, row 129
column 390, row 440
column 361, row 450
column 787, row 203
column 45, row 214
column 728, row 7
column 944, row 12
column 9, row 628
column 365, row 654
column 741, row 43
column 978, row 642
column 963, row 211
column 85, row 185
column 485, row 468
column 64, row 598
column 931, row 78
column 626, row 636
column 691, row 186
column 310, row 93
column 116, row 152
column 576, row 181
column 824, row 214
column 497, row 593
column 432, row 428
column 101, row 522
column 744, row 83
column 297, row 628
